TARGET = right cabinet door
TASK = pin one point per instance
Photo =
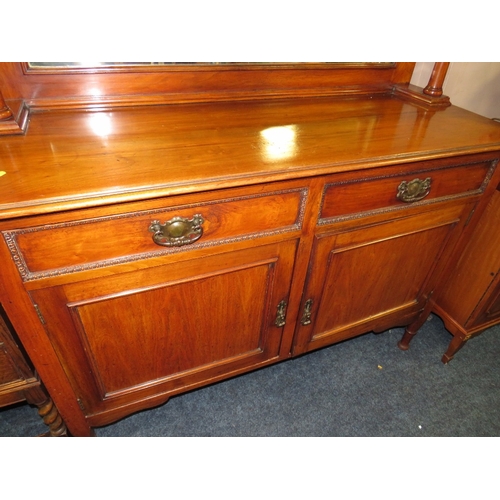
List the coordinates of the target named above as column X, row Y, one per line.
column 372, row 276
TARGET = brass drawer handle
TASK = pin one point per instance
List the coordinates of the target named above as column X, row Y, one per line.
column 414, row 190
column 178, row 231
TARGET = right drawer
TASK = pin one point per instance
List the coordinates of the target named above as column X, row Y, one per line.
column 399, row 187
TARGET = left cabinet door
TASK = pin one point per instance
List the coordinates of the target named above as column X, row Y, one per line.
column 128, row 341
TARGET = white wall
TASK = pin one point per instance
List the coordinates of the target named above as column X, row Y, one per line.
column 474, row 86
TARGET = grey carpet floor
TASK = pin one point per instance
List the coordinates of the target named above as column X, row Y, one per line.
column 363, row 387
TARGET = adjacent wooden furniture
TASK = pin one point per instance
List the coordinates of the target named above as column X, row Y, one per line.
column 470, row 302
column 19, row 382
column 166, row 228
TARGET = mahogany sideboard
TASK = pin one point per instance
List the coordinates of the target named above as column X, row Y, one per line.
column 166, row 228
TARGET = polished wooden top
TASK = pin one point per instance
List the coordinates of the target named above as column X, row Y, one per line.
column 73, row 159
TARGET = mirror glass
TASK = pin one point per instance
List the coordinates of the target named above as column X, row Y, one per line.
column 103, row 65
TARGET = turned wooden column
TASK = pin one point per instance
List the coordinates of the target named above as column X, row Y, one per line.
column 5, row 112
column 435, row 86
column 19, row 381
column 38, row 397
column 13, row 118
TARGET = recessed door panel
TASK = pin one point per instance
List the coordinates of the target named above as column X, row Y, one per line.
column 150, row 334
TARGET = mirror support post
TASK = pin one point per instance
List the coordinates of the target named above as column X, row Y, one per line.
column 13, row 120
column 435, row 86
column 5, row 112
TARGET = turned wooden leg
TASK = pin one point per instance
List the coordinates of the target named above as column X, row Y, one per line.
column 411, row 330
column 404, row 343
column 455, row 345
column 38, row 397
column 51, row 417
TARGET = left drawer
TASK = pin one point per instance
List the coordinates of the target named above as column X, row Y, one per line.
column 180, row 223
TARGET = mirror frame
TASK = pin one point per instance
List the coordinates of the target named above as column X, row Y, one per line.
column 24, row 89
column 84, row 87
column 138, row 67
